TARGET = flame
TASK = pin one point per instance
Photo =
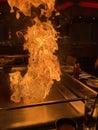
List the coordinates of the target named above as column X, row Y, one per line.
column 43, row 66
column 25, row 5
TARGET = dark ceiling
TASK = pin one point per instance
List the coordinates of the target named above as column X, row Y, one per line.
column 78, row 7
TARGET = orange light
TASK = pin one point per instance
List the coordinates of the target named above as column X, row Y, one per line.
column 41, row 42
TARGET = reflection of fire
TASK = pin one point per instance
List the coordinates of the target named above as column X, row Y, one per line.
column 43, row 66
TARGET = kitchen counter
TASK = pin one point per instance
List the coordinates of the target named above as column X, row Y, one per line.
column 64, row 100
column 40, row 116
column 78, row 86
column 36, row 117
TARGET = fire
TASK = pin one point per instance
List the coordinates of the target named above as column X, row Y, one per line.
column 43, row 66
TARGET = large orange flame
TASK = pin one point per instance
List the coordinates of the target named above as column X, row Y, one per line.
column 43, row 66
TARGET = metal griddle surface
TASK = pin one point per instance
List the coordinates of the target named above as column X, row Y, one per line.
column 5, row 94
column 35, row 116
column 24, row 117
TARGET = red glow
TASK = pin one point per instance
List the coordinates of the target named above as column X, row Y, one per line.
column 64, row 5
column 88, row 4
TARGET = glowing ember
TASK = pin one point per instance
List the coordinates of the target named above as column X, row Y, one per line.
column 43, row 66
